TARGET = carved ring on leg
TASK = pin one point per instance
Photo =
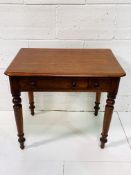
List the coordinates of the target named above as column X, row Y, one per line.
column 103, row 140
column 96, row 108
column 32, row 107
column 21, row 140
column 97, row 103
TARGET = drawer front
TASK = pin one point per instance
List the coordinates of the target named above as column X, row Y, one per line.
column 64, row 84
column 99, row 84
column 53, row 84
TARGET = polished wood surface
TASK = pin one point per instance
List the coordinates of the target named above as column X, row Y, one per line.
column 65, row 62
column 64, row 70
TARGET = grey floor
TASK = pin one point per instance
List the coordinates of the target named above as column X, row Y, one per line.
column 65, row 143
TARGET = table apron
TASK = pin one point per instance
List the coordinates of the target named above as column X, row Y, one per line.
column 56, row 84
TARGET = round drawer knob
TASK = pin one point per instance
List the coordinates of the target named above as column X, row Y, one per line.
column 96, row 84
column 32, row 83
column 74, row 84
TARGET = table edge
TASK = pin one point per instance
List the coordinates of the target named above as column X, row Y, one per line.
column 14, row 74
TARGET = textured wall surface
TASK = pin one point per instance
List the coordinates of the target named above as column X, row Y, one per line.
column 66, row 24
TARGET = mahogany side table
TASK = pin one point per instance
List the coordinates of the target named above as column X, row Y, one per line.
column 64, row 70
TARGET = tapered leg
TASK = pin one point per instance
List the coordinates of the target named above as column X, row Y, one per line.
column 107, row 118
column 97, row 103
column 19, row 118
column 31, row 102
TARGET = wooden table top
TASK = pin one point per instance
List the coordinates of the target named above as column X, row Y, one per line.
column 65, row 63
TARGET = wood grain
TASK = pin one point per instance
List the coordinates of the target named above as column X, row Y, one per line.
column 65, row 63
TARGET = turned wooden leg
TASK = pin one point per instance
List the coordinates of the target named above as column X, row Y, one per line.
column 31, row 102
column 107, row 118
column 97, row 103
column 19, row 118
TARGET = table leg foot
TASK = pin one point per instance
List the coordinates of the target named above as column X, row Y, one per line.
column 31, row 107
column 31, row 102
column 96, row 108
column 102, row 145
column 21, row 140
column 97, row 103
column 103, row 140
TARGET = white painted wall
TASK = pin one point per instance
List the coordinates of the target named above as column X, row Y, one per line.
column 66, row 24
